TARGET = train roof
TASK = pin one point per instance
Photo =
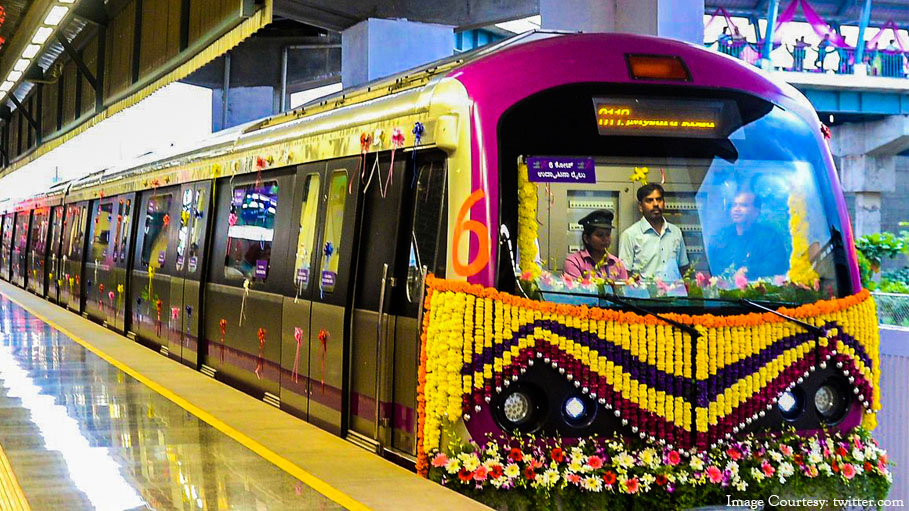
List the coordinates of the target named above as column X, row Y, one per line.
column 410, row 91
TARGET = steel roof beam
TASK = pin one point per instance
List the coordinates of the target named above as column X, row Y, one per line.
column 74, row 55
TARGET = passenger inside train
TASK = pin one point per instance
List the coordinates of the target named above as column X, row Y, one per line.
column 653, row 247
column 594, row 259
column 748, row 242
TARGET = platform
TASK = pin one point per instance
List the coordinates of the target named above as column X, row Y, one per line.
column 92, row 420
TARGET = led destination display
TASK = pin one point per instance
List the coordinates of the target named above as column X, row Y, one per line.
column 660, row 117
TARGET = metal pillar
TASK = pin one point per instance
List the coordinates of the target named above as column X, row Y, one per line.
column 772, row 13
column 863, row 24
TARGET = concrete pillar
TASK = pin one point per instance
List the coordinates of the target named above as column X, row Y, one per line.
column 677, row 19
column 865, row 178
column 374, row 48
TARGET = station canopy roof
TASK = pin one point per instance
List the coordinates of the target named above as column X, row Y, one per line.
column 844, row 12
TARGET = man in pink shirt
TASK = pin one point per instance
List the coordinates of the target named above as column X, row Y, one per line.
column 594, row 260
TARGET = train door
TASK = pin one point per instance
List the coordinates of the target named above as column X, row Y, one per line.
column 20, row 248
column 37, row 251
column 243, row 299
column 295, row 345
column 106, row 264
column 332, row 282
column 385, row 343
column 6, row 249
column 193, row 218
column 71, row 264
column 151, row 288
column 54, row 276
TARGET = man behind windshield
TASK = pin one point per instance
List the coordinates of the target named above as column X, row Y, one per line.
column 653, row 248
column 749, row 243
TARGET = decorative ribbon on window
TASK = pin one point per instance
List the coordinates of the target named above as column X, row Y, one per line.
column 96, row 273
column 298, row 336
column 260, row 358
column 189, row 315
column 243, row 303
column 72, row 282
column 417, row 131
column 120, row 289
column 223, row 325
column 110, row 298
column 397, row 142
column 158, row 305
column 365, row 142
column 174, row 319
column 323, row 341
column 101, row 297
column 138, row 310
column 151, row 277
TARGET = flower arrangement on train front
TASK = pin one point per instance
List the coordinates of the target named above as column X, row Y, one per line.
column 613, row 474
column 663, row 384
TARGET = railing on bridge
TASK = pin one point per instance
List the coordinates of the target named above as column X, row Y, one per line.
column 892, row 309
column 808, row 59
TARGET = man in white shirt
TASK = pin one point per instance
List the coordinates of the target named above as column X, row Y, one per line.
column 652, row 247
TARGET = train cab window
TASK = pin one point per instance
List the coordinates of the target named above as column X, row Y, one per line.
column 680, row 219
column 306, row 240
column 196, row 235
column 251, row 231
column 101, row 233
column 429, row 201
column 157, row 223
column 334, row 223
column 183, row 235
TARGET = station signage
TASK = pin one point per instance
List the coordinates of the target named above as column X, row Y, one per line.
column 553, row 169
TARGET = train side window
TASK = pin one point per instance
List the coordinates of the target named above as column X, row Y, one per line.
column 334, row 223
column 251, row 230
column 429, row 199
column 101, row 235
column 196, row 234
column 303, row 261
column 157, row 222
column 81, row 222
column 183, row 235
column 120, row 244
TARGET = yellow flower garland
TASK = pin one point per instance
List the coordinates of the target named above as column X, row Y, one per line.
column 800, row 269
column 527, row 224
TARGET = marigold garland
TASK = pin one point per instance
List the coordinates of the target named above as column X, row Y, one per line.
column 800, row 269
column 474, row 338
column 527, row 224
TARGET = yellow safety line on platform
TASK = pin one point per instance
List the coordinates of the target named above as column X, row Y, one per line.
column 13, row 498
column 284, row 464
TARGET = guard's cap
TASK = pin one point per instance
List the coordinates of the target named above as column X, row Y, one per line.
column 600, row 218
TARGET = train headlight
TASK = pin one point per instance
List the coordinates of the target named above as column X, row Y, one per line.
column 830, row 401
column 516, row 408
column 521, row 407
column 574, row 407
column 791, row 403
column 578, row 411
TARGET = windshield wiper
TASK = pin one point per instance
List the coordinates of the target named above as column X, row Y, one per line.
column 688, row 329
column 818, row 331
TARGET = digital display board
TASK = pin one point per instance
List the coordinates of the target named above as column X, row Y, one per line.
column 688, row 118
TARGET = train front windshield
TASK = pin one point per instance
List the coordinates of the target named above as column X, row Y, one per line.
column 741, row 215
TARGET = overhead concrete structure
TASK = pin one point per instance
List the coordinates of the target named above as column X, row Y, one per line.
column 867, row 155
column 374, row 48
column 677, row 19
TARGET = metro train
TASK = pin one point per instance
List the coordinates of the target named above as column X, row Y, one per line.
column 303, row 257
